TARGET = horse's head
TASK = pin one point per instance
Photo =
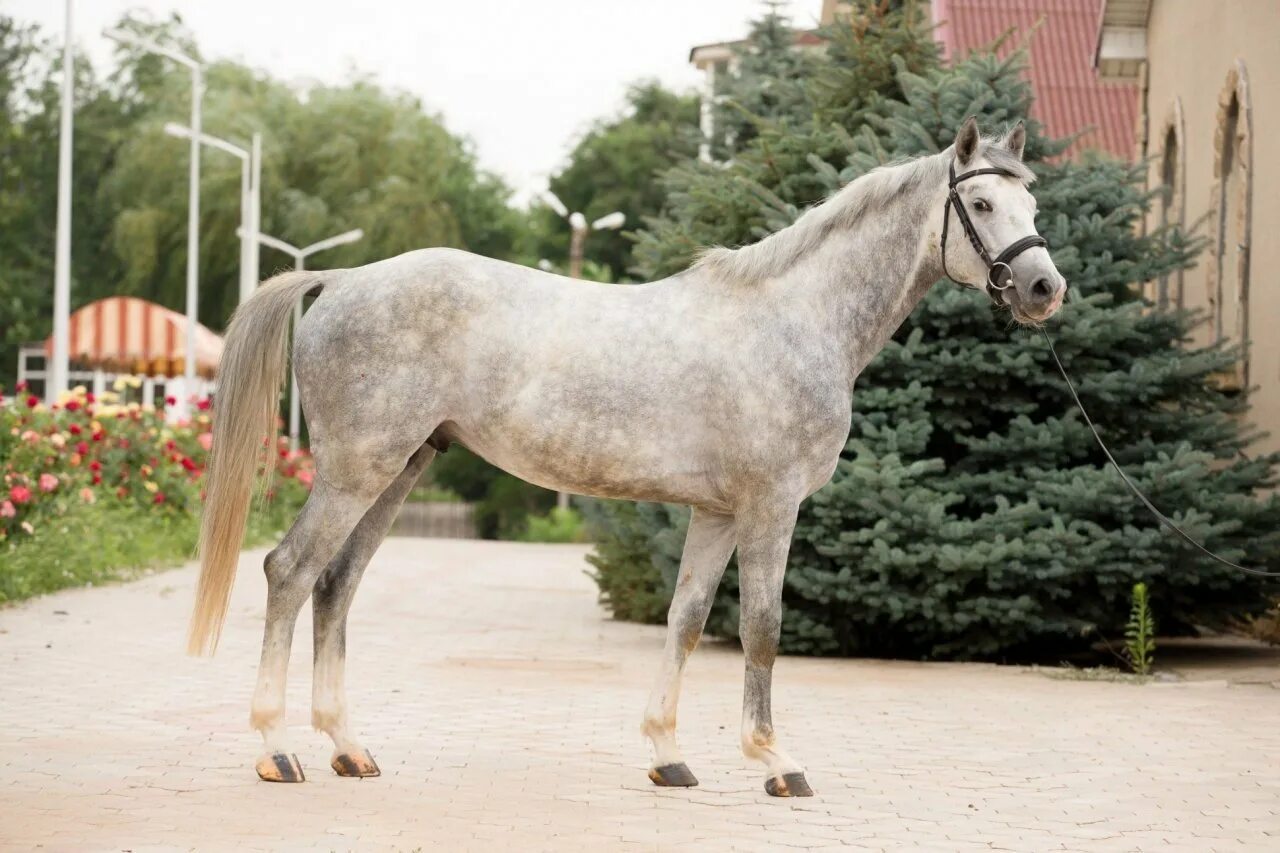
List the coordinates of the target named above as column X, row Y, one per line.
column 989, row 236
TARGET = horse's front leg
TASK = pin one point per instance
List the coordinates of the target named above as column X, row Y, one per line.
column 707, row 547
column 764, row 538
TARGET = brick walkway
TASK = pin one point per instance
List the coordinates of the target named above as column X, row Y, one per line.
column 504, row 711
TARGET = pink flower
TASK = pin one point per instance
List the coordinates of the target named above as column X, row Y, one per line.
column 87, row 495
column 48, row 482
column 205, row 439
column 7, row 510
column 305, row 477
column 20, row 494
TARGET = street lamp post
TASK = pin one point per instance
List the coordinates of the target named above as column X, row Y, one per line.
column 579, row 229
column 250, row 171
column 193, row 196
column 57, row 372
column 300, row 263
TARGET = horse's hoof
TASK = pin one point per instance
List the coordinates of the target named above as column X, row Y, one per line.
column 790, row 785
column 359, row 764
column 673, row 776
column 280, row 768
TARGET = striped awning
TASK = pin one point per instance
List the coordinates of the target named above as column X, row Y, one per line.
column 127, row 334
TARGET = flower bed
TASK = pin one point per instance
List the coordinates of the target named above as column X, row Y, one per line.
column 113, row 477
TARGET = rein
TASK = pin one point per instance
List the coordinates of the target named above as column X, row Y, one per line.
column 1160, row 516
column 1000, row 278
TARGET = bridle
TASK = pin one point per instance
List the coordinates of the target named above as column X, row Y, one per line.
column 999, row 273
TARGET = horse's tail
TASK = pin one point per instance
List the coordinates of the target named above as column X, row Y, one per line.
column 245, row 411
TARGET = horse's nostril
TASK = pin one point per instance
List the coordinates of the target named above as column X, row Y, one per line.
column 1041, row 289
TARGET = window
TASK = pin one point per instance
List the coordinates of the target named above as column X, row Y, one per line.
column 1229, row 271
column 1171, row 204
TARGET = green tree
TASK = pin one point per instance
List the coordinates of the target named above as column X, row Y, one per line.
column 769, row 83
column 971, row 515
column 615, row 167
column 335, row 157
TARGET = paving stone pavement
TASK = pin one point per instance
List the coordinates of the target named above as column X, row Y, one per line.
column 504, row 709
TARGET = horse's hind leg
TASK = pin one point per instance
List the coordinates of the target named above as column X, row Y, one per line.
column 330, row 604
column 330, row 514
column 707, row 547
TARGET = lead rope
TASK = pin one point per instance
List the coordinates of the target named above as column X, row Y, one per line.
column 1160, row 516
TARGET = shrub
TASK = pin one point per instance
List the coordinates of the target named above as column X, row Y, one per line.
column 96, row 488
column 558, row 525
column 502, row 501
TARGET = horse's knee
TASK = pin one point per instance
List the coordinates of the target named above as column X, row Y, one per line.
column 759, row 628
column 689, row 616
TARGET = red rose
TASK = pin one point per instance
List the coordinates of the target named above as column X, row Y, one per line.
column 171, row 401
column 89, row 398
column 20, row 494
column 82, row 447
column 203, row 405
column 74, row 429
column 72, row 405
column 33, row 401
column 97, row 478
column 95, row 465
column 97, row 436
column 188, row 464
column 159, row 498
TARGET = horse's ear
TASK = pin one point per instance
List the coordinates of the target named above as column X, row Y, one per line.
column 1016, row 139
column 967, row 141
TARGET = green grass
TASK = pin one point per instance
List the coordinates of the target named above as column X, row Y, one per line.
column 101, row 543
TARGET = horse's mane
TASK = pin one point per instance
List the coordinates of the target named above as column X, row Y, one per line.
column 778, row 252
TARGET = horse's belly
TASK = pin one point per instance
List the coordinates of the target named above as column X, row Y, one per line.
column 606, row 463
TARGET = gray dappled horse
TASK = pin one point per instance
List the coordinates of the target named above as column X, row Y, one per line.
column 727, row 387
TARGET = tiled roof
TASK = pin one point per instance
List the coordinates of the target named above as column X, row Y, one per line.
column 1069, row 96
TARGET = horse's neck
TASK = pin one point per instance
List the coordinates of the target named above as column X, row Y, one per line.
column 866, row 280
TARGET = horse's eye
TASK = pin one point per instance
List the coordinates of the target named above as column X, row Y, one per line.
column 982, row 204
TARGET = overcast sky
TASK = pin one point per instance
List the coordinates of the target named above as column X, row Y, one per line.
column 521, row 78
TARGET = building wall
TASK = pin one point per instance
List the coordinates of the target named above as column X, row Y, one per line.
column 1193, row 52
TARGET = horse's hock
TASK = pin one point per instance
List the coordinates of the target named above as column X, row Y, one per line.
column 436, row 520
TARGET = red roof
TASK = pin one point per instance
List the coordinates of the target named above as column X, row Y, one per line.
column 1069, row 96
